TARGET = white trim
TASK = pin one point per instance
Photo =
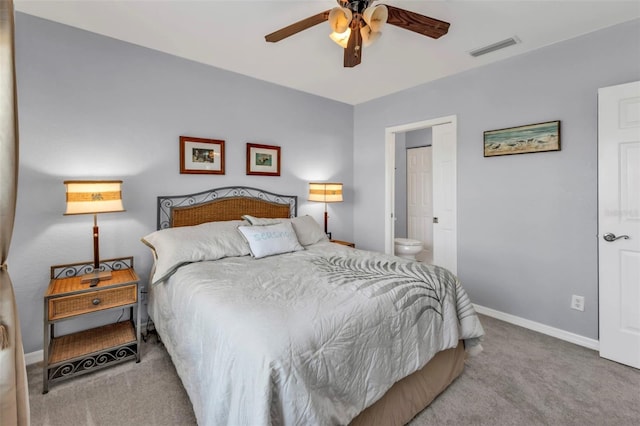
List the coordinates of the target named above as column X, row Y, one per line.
column 390, row 191
column 390, row 165
column 37, row 356
column 34, row 357
column 540, row 328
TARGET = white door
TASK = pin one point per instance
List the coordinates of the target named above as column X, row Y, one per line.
column 619, row 222
column 420, row 200
column 444, row 196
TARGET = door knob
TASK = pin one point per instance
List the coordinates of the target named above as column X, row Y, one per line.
column 612, row 237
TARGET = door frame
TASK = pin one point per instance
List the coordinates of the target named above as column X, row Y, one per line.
column 390, row 165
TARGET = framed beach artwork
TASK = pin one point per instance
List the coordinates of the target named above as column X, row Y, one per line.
column 538, row 137
column 201, row 156
column 263, row 160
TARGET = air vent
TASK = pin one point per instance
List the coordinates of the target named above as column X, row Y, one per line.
column 495, row 46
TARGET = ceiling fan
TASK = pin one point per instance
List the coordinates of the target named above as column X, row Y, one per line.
column 357, row 22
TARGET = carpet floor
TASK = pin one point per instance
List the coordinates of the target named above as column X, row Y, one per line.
column 521, row 378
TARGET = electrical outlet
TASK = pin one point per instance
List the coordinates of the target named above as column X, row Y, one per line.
column 577, row 303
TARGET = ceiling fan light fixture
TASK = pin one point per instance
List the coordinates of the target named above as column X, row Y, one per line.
column 368, row 36
column 376, row 17
column 340, row 19
column 356, row 23
column 342, row 38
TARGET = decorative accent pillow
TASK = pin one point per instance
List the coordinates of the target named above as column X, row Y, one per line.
column 307, row 229
column 174, row 247
column 267, row 240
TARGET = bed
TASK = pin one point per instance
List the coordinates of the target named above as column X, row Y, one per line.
column 308, row 332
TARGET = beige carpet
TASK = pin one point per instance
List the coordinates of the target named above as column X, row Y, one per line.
column 521, row 378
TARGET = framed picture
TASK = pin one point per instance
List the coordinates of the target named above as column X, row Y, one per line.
column 201, row 156
column 523, row 139
column 263, row 160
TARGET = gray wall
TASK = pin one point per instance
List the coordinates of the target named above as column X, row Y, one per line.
column 527, row 223
column 405, row 141
column 95, row 107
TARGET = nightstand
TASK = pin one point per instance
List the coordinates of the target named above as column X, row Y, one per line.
column 344, row 243
column 67, row 299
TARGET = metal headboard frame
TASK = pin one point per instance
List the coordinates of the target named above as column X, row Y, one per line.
column 167, row 202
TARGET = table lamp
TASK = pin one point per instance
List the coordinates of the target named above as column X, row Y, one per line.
column 325, row 192
column 93, row 197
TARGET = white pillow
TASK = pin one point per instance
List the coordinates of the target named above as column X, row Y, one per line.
column 307, row 229
column 174, row 247
column 267, row 240
column 263, row 220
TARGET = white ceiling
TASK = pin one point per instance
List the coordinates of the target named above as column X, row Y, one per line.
column 230, row 35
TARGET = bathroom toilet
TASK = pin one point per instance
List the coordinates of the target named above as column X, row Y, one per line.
column 407, row 248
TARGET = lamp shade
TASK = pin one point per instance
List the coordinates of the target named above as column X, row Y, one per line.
column 325, row 192
column 93, row 196
column 369, row 36
column 340, row 19
column 342, row 39
column 376, row 17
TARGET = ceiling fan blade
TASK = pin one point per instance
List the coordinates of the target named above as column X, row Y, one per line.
column 297, row 27
column 353, row 51
column 415, row 22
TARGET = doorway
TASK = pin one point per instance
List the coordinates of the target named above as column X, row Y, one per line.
column 444, row 143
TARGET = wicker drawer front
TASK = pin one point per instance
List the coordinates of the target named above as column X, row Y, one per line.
column 62, row 307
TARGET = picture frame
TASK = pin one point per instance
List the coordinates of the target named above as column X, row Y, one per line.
column 263, row 160
column 201, row 156
column 539, row 137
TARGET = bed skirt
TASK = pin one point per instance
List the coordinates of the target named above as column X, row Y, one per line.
column 409, row 396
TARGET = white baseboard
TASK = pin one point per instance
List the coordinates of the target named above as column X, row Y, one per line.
column 540, row 328
column 34, row 357
column 37, row 356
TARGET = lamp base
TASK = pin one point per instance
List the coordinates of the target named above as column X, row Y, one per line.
column 95, row 277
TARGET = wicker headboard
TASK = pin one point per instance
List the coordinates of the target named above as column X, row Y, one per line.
column 228, row 203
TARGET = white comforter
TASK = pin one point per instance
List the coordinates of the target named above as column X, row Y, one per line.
column 307, row 338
